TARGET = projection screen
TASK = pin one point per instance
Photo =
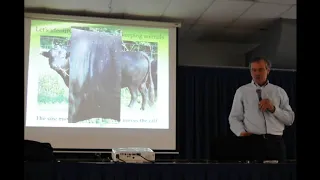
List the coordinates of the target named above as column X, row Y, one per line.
column 96, row 83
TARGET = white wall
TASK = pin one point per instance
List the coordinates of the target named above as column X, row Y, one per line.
column 278, row 43
column 212, row 53
column 287, row 49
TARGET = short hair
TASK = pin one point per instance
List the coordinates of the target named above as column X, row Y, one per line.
column 256, row 59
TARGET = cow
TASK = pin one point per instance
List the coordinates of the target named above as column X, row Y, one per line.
column 136, row 74
column 95, row 76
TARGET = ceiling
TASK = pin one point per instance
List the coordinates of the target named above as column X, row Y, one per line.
column 206, row 20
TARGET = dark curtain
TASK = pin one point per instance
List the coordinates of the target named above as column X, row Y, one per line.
column 204, row 100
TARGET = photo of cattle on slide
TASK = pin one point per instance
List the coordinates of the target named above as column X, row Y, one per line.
column 95, row 69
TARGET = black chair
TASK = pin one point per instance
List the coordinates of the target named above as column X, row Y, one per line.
column 38, row 152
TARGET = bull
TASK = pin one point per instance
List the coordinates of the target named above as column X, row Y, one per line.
column 95, row 75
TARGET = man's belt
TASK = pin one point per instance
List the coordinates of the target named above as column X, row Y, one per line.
column 268, row 136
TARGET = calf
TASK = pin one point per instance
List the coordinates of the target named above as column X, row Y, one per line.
column 59, row 61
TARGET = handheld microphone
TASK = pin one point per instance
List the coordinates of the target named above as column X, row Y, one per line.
column 259, row 94
column 260, row 98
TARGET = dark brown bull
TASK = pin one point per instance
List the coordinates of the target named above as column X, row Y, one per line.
column 95, row 76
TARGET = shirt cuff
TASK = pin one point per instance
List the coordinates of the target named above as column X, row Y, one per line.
column 276, row 111
column 239, row 132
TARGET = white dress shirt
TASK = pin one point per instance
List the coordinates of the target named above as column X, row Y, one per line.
column 245, row 115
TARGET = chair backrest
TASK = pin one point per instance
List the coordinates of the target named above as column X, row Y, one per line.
column 38, row 152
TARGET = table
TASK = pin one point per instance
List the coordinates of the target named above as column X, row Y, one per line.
column 158, row 171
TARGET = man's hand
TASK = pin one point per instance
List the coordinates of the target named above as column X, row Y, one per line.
column 266, row 104
column 243, row 134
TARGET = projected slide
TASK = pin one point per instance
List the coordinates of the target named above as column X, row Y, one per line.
column 93, row 75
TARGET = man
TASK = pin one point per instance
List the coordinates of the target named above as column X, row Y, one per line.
column 259, row 113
